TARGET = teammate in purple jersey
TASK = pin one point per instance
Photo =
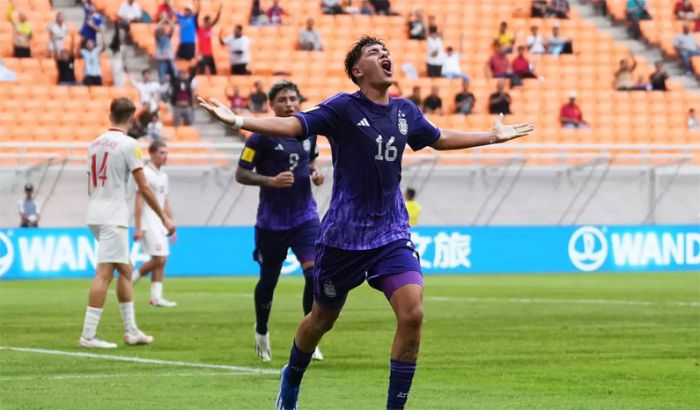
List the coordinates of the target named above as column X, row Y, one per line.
column 287, row 215
column 365, row 234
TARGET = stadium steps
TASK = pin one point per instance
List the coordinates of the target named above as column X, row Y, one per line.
column 638, row 47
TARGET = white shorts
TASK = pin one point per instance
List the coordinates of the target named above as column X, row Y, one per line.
column 155, row 243
column 112, row 243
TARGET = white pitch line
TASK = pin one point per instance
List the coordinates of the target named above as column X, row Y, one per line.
column 110, row 376
column 242, row 369
column 561, row 301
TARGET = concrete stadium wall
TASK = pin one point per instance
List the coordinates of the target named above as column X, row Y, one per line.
column 449, row 196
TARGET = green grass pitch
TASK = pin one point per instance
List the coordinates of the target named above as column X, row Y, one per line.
column 597, row 341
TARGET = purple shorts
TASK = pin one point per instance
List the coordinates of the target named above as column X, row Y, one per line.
column 386, row 268
column 271, row 246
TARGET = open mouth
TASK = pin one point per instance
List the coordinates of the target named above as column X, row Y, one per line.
column 387, row 67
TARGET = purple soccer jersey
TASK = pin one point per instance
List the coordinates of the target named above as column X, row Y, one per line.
column 282, row 208
column 367, row 142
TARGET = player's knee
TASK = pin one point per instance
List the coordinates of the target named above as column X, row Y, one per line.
column 322, row 322
column 411, row 318
column 160, row 261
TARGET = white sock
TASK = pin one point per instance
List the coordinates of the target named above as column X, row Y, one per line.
column 135, row 275
column 127, row 311
column 156, row 290
column 92, row 319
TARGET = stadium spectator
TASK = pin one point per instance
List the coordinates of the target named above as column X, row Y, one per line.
column 275, row 13
column 415, row 96
column 237, row 102
column 129, row 12
column 499, row 102
column 412, row 206
column 58, row 30
column 504, row 38
column 149, row 90
column 258, row 99
column 521, row 66
column 658, row 78
column 65, row 65
column 182, row 97
column 22, row 32
column 624, row 76
column 117, row 60
column 559, row 9
column 465, row 100
column 366, row 9
column 257, row 14
column 684, row 10
column 436, row 53
column 498, row 65
column 91, row 59
column 451, row 67
column 204, row 33
column 188, row 32
column 692, row 120
column 433, row 103
column 382, row 7
column 686, row 47
column 416, row 26
column 349, row 8
column 164, row 48
column 29, row 209
column 154, row 131
column 556, row 44
column 636, row 10
column 331, row 7
column 535, row 42
column 167, row 8
column 570, row 115
column 93, row 23
column 538, row 8
column 310, row 39
column 239, row 50
column 432, row 23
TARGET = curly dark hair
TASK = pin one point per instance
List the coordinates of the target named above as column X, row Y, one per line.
column 280, row 86
column 355, row 53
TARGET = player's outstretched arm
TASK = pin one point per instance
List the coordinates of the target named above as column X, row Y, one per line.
column 151, row 199
column 451, row 139
column 289, row 127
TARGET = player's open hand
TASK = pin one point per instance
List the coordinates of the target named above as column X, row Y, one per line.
column 504, row 133
column 282, row 180
column 218, row 111
column 169, row 225
column 317, row 177
column 138, row 235
column 173, row 238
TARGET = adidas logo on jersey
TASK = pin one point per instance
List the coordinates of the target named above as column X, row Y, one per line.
column 279, row 147
column 363, row 123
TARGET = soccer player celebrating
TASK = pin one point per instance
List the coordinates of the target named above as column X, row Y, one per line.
column 287, row 216
column 111, row 158
column 149, row 228
column 365, row 233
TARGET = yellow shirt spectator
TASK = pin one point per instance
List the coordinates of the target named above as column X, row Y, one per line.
column 413, row 209
column 505, row 40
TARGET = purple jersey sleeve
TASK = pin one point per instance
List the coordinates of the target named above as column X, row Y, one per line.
column 322, row 119
column 423, row 132
column 251, row 152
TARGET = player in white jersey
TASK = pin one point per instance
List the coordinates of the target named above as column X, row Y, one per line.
column 149, row 228
column 112, row 157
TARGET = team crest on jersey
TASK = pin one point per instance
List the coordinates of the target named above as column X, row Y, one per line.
column 329, row 289
column 403, row 124
column 307, row 145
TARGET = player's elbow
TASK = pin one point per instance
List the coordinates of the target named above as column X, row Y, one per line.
column 240, row 176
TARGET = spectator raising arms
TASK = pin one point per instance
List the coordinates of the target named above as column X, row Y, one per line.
column 658, row 78
column 164, row 48
column 22, row 32
column 92, row 24
column 204, row 34
column 91, row 58
column 310, row 39
column 188, row 32
column 570, row 115
column 451, row 67
column 239, row 50
column 117, row 60
column 436, row 53
column 182, row 97
column 465, row 100
column 58, row 30
column 433, row 102
column 167, row 8
column 499, row 102
column 624, row 76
